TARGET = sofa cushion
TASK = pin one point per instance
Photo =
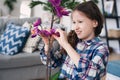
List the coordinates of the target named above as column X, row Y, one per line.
column 20, row 60
column 13, row 39
column 32, row 43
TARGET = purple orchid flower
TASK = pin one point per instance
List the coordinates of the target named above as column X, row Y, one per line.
column 55, row 2
column 45, row 33
column 33, row 36
column 35, row 32
column 37, row 23
column 60, row 11
column 49, row 33
column 52, row 31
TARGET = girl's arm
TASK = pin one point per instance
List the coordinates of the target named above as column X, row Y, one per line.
column 69, row 49
column 56, row 58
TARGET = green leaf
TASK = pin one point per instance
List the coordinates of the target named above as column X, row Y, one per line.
column 69, row 4
column 47, row 8
column 34, row 3
column 55, row 76
column 95, row 1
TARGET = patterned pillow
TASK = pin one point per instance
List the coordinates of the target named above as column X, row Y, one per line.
column 31, row 43
column 13, row 39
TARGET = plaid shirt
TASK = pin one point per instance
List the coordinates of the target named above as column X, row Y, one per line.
column 92, row 63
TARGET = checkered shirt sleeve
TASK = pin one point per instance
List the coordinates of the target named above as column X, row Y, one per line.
column 57, row 59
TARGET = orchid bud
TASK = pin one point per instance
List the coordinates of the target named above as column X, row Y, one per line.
column 37, row 23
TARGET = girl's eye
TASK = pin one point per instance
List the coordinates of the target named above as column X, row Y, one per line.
column 80, row 21
column 73, row 22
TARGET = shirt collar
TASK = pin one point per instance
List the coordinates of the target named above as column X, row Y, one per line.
column 89, row 42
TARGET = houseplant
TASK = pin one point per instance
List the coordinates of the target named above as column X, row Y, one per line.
column 57, row 8
column 10, row 4
column 67, row 4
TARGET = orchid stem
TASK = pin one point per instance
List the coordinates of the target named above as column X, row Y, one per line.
column 41, row 27
column 56, row 19
column 49, row 62
column 49, row 55
column 52, row 21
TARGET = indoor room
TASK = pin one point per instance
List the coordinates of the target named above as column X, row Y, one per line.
column 51, row 39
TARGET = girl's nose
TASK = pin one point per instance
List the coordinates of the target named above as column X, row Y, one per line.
column 76, row 26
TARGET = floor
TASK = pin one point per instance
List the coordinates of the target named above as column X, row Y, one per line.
column 114, row 56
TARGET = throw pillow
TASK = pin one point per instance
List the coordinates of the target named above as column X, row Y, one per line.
column 13, row 39
column 32, row 43
column 27, row 24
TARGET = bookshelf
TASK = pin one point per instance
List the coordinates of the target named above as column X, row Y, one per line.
column 114, row 15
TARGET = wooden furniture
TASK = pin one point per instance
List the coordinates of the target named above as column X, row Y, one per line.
column 114, row 16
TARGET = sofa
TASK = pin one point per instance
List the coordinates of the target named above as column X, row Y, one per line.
column 21, row 66
column 113, row 70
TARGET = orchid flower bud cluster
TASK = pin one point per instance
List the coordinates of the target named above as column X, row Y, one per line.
column 59, row 10
column 38, row 30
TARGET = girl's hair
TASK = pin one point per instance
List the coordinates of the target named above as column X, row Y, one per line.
column 91, row 10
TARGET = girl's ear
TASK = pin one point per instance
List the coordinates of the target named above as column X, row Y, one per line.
column 95, row 23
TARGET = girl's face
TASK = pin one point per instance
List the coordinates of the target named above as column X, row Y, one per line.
column 83, row 26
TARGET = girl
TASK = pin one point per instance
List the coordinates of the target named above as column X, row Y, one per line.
column 86, row 55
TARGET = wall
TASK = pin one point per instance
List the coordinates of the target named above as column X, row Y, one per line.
column 15, row 12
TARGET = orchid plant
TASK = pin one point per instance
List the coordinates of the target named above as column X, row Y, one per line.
column 58, row 8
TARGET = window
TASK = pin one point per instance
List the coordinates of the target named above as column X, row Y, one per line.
column 25, row 10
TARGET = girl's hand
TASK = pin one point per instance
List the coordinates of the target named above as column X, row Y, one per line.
column 47, row 41
column 63, row 37
column 45, row 38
